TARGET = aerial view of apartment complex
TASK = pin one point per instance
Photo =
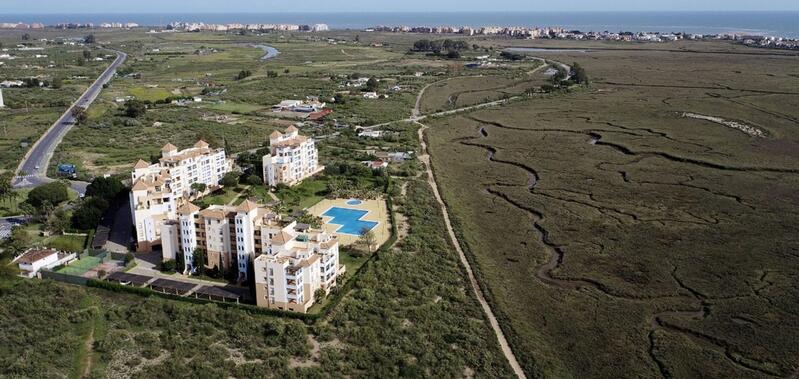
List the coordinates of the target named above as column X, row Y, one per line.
column 291, row 261
column 160, row 189
column 291, row 158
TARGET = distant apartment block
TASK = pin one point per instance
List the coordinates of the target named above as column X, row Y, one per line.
column 160, row 189
column 287, row 261
column 291, row 158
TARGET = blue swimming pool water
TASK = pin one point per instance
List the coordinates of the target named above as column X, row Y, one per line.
column 354, row 202
column 350, row 220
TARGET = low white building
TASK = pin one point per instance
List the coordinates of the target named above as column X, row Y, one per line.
column 35, row 260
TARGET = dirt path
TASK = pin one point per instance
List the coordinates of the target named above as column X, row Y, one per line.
column 87, row 365
column 503, row 342
column 431, row 180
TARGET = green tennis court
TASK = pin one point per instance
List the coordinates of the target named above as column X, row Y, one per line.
column 80, row 266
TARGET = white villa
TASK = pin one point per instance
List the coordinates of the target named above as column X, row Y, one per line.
column 34, row 260
column 160, row 189
column 291, row 158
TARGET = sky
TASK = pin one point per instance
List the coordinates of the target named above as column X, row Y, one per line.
column 266, row 6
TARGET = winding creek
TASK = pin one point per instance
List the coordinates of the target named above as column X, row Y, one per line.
column 269, row 51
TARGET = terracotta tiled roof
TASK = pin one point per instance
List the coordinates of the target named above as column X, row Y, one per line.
column 169, row 147
column 140, row 185
column 291, row 129
column 275, row 134
column 188, row 209
column 247, row 206
column 141, row 164
column 282, row 238
column 35, row 255
column 201, row 144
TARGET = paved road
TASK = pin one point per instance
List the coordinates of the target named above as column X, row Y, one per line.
column 35, row 163
column 7, row 223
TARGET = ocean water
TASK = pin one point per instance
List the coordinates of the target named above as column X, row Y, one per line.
column 782, row 24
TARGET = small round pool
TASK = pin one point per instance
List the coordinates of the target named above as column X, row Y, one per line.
column 354, row 202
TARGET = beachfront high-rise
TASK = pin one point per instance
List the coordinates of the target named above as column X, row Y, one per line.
column 291, row 158
column 160, row 189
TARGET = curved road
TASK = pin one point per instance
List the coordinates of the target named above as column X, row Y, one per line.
column 32, row 171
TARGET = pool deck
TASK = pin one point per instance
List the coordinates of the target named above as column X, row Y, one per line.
column 378, row 212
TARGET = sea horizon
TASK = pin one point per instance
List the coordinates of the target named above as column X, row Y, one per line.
column 772, row 23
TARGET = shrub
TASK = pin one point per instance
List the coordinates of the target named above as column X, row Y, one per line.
column 55, row 193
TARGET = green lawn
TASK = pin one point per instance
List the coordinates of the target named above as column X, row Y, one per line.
column 304, row 195
column 66, row 243
column 221, row 197
column 80, row 266
column 149, row 94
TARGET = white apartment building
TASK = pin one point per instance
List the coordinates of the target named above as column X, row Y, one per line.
column 290, row 262
column 160, row 189
column 291, row 158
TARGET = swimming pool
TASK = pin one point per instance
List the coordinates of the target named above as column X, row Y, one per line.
column 350, row 220
column 354, row 202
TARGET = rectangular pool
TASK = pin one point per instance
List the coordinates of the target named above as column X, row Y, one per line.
column 350, row 220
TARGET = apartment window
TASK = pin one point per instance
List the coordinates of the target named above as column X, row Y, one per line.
column 272, row 291
column 271, row 272
column 272, row 300
column 271, row 281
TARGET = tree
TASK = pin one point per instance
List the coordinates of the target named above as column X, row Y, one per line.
column 198, row 187
column 319, row 295
column 54, row 193
column 105, row 188
column 367, row 238
column 453, row 54
column 231, row 179
column 129, row 257
column 199, row 261
column 243, row 74
column 372, row 84
column 57, row 83
column 254, row 180
column 578, row 74
column 87, row 54
column 58, row 222
column 26, row 37
column 89, row 213
column 168, row 266
column 559, row 76
column 89, row 39
column 19, row 240
column 340, row 99
column 135, row 108
column 79, row 113
column 271, row 74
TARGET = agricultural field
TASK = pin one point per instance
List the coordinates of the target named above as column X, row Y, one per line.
column 644, row 225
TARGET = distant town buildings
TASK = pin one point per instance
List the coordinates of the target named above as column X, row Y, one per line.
column 291, row 158
column 2, row 104
column 160, row 189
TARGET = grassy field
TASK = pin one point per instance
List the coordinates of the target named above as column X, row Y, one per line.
column 618, row 237
column 66, row 243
